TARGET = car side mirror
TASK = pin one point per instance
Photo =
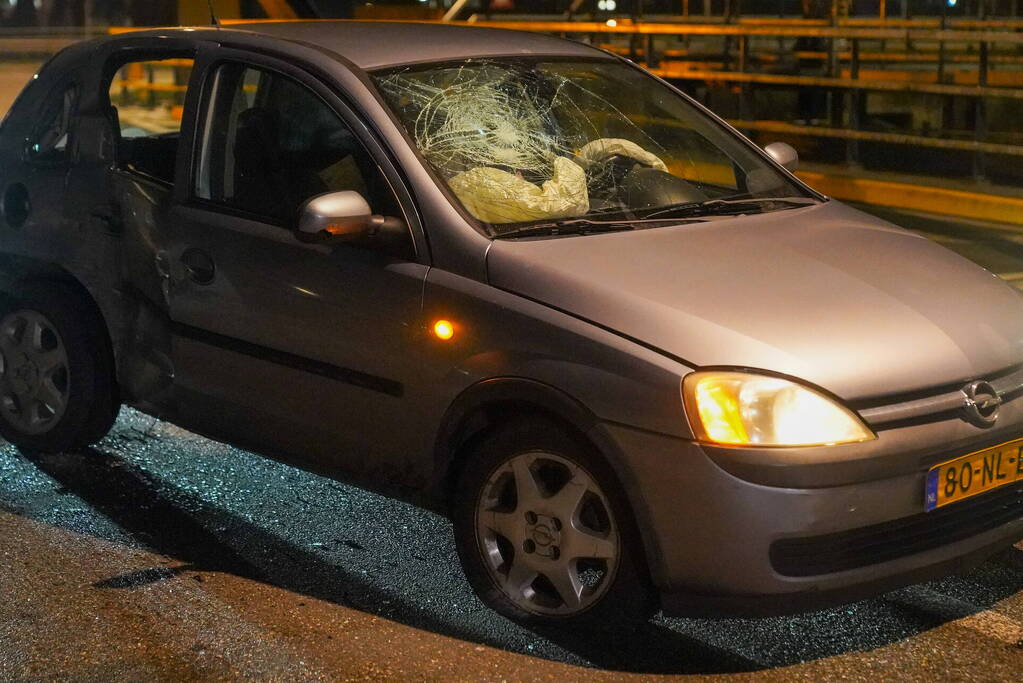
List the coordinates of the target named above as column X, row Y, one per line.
column 337, row 214
column 784, row 154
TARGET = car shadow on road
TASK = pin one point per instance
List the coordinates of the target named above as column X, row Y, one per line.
column 177, row 523
column 130, row 498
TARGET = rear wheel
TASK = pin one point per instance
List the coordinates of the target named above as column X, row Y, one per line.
column 544, row 534
column 57, row 389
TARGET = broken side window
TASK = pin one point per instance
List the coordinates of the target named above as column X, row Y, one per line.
column 147, row 103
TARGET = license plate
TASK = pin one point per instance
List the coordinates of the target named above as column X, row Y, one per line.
column 974, row 474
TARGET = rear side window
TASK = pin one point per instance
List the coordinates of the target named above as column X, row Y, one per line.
column 51, row 141
column 149, row 96
column 147, row 102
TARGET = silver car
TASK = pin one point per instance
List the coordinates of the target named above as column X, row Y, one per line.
column 518, row 280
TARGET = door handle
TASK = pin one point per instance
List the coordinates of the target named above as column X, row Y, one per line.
column 199, row 266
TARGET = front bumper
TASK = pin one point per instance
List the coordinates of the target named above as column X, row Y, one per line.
column 709, row 534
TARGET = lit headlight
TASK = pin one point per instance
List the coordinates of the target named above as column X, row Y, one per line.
column 747, row 409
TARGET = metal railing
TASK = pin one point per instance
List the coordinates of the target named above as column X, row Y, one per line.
column 963, row 63
column 977, row 59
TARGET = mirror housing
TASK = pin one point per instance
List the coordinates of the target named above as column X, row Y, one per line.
column 337, row 214
column 784, row 154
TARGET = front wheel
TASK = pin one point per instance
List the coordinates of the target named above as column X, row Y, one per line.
column 56, row 372
column 543, row 532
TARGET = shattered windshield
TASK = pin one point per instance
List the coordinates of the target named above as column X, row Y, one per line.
column 521, row 142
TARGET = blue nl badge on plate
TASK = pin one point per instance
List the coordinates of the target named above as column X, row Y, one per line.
column 931, row 497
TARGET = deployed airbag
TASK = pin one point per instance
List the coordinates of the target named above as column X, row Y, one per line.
column 496, row 196
column 598, row 150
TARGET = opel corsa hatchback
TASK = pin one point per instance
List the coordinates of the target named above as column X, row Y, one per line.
column 518, row 280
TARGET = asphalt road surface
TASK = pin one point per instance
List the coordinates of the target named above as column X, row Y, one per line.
column 160, row 555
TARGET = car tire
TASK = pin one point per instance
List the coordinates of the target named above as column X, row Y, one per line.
column 57, row 385
column 502, row 541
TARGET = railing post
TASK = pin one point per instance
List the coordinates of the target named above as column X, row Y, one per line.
column 982, row 66
column 980, row 114
column 648, row 52
column 906, row 15
column 648, row 43
column 744, row 108
column 832, row 94
column 852, row 145
column 636, row 14
column 941, row 43
column 727, row 49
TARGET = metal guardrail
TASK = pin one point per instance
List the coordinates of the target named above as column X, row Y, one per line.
column 978, row 59
column 784, row 128
column 986, row 64
column 888, row 30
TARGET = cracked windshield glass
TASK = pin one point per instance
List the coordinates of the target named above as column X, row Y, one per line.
column 524, row 142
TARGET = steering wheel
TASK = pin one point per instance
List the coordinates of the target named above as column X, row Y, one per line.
column 605, row 178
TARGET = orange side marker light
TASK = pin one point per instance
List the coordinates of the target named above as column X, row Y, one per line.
column 443, row 330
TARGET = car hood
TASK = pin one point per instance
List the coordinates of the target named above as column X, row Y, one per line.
column 825, row 293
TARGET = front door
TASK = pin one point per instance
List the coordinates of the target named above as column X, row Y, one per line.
column 299, row 350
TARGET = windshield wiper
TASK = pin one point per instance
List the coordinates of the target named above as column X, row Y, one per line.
column 721, row 207
column 696, row 210
column 575, row 226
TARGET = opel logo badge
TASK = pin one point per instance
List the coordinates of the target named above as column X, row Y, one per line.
column 981, row 403
column 542, row 536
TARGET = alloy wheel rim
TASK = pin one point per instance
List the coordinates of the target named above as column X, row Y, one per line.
column 547, row 534
column 35, row 379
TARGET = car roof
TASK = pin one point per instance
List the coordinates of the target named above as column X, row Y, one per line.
column 376, row 44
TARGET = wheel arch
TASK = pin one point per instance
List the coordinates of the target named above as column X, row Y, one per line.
column 478, row 409
column 485, row 405
column 16, row 271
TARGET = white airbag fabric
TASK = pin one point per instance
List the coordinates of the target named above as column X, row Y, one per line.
column 496, row 196
column 599, row 150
